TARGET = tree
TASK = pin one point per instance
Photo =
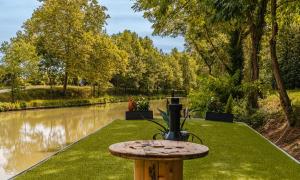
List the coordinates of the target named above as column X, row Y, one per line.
column 189, row 69
column 64, row 27
column 203, row 28
column 136, row 68
column 104, row 62
column 253, row 13
column 284, row 98
column 50, row 67
column 19, row 63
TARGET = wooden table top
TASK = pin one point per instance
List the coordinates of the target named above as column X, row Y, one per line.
column 158, row 150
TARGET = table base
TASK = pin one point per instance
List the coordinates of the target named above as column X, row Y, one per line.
column 158, row 170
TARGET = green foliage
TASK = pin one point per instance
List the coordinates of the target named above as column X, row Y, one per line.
column 241, row 113
column 151, row 70
column 65, row 29
column 212, row 94
column 74, row 49
column 46, row 98
column 9, row 106
column 143, row 104
column 165, row 116
column 229, row 105
column 215, row 105
column 289, row 54
column 255, row 120
column 105, row 61
column 18, row 64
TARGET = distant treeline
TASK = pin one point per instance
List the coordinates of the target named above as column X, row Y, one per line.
column 64, row 43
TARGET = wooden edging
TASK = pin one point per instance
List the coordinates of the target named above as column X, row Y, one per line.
column 58, row 152
column 291, row 157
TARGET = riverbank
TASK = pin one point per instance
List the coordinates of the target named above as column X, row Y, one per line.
column 59, row 103
column 44, row 98
column 275, row 124
column 230, row 157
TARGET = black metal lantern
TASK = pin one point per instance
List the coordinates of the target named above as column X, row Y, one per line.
column 174, row 119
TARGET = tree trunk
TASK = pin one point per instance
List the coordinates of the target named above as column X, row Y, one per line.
column 236, row 55
column 253, row 97
column 65, row 83
column 284, row 98
column 257, row 25
column 13, row 88
column 98, row 93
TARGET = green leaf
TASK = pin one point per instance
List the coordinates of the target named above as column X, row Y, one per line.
column 165, row 116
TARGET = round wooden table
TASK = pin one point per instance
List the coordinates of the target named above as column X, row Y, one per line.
column 158, row 159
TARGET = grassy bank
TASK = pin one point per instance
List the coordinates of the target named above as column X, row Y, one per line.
column 47, row 98
column 45, row 93
column 275, row 123
column 271, row 107
column 236, row 152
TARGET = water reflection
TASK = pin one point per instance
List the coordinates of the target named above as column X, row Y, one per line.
column 27, row 137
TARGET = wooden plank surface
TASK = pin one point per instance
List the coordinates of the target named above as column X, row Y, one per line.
column 158, row 150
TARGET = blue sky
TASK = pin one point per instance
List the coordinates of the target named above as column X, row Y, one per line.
column 14, row 12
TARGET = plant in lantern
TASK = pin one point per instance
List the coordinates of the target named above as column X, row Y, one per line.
column 165, row 129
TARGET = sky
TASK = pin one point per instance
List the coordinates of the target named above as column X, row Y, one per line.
column 14, row 12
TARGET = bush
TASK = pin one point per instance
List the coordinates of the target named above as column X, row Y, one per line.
column 212, row 95
column 23, row 105
column 215, row 105
column 9, row 106
column 142, row 104
column 255, row 119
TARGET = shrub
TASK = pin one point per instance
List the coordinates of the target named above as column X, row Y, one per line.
column 255, row 119
column 23, row 105
column 212, row 95
column 215, row 105
column 142, row 104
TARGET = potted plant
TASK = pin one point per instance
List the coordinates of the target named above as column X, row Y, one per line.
column 217, row 112
column 164, row 129
column 139, row 110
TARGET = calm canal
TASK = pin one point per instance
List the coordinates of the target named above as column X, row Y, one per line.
column 27, row 137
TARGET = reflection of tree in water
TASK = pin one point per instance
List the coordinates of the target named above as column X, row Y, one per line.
column 26, row 137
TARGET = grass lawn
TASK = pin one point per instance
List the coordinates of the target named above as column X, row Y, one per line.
column 236, row 152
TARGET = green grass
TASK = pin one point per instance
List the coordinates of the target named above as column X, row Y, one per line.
column 236, row 152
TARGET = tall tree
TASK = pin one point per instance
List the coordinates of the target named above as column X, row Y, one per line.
column 19, row 63
column 284, row 98
column 203, row 28
column 104, row 62
column 136, row 68
column 253, row 13
column 64, row 27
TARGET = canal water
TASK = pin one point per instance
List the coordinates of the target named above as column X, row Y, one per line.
column 27, row 137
